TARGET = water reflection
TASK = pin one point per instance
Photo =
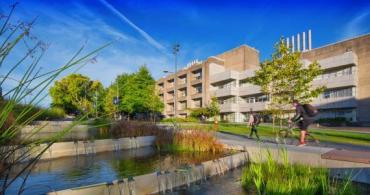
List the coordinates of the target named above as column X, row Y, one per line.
column 69, row 172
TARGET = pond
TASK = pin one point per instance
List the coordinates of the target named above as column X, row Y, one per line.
column 70, row 172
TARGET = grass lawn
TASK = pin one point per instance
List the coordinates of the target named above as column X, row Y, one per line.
column 320, row 134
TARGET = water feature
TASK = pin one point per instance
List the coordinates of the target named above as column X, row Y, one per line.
column 90, row 168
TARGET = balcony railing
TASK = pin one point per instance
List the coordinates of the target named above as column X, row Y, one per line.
column 256, row 106
column 229, row 91
column 339, row 81
column 229, row 107
column 224, row 76
column 339, row 60
column 249, row 89
column 196, row 95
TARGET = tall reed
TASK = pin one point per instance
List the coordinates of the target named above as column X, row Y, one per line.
column 270, row 177
column 189, row 140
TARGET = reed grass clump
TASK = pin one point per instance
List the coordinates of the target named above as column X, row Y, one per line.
column 189, row 140
column 270, row 177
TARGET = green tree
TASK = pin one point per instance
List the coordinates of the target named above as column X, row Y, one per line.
column 284, row 78
column 76, row 92
column 109, row 108
column 198, row 112
column 136, row 92
column 214, row 109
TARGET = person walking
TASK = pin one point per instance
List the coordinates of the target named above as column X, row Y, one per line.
column 253, row 122
column 303, row 117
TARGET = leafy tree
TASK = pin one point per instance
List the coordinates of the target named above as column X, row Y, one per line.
column 76, row 92
column 109, row 108
column 198, row 112
column 137, row 93
column 284, row 78
column 214, row 108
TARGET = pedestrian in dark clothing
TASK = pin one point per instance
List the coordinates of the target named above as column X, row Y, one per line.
column 253, row 122
column 303, row 120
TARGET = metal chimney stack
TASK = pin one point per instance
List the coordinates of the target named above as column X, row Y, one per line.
column 309, row 40
column 287, row 42
column 294, row 43
column 304, row 41
column 298, row 42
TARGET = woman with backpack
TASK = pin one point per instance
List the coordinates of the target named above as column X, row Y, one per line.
column 303, row 117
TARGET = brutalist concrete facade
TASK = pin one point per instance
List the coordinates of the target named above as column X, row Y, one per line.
column 346, row 66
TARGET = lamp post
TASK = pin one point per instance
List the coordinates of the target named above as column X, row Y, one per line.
column 175, row 50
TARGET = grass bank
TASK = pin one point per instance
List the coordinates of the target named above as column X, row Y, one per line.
column 324, row 135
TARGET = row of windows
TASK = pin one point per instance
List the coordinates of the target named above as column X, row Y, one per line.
column 337, row 73
column 254, row 99
column 335, row 93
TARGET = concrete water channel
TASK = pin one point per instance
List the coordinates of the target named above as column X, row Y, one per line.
column 111, row 167
column 76, row 171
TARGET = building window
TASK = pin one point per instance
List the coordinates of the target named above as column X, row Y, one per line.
column 197, row 74
column 198, row 89
column 337, row 93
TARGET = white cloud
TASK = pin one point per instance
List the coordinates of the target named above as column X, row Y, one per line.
column 356, row 26
column 150, row 39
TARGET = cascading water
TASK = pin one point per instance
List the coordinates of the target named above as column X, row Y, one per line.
column 131, row 186
column 86, row 147
column 92, row 147
column 169, row 184
column 120, row 185
column 161, row 183
column 76, row 147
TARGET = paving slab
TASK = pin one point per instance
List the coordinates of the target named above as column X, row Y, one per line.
column 348, row 155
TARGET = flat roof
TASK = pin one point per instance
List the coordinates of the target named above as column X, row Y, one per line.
column 341, row 41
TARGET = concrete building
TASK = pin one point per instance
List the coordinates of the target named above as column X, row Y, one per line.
column 193, row 82
column 346, row 66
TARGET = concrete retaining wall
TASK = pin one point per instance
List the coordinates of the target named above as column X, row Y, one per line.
column 62, row 149
column 161, row 181
column 50, row 128
column 308, row 155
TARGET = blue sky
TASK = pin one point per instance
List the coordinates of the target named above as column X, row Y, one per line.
column 143, row 31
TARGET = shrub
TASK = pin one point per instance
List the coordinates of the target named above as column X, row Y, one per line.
column 189, row 140
column 179, row 120
column 198, row 112
column 53, row 113
column 125, row 128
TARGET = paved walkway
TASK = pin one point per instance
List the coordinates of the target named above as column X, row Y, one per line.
column 292, row 141
column 241, row 141
column 344, row 162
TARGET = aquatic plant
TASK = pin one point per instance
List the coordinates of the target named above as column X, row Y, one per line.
column 126, row 128
column 189, row 140
column 270, row 177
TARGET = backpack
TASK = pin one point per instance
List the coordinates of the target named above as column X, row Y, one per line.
column 256, row 119
column 310, row 110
